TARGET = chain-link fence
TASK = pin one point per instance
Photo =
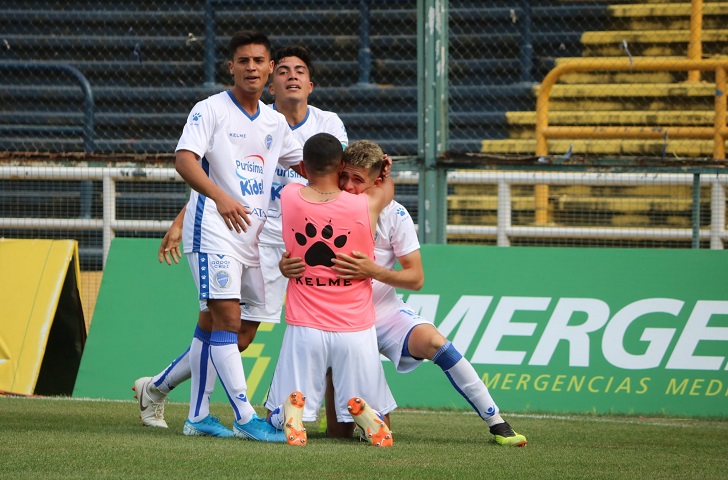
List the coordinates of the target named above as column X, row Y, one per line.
column 621, row 87
column 98, row 83
column 146, row 63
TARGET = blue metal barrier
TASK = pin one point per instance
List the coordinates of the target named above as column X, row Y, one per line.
column 88, row 114
column 365, row 53
column 210, row 42
column 526, row 45
column 79, row 77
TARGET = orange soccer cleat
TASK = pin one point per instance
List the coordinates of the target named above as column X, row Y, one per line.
column 293, row 413
column 370, row 422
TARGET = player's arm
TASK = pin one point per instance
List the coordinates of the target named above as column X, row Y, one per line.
column 233, row 213
column 298, row 168
column 379, row 197
column 169, row 249
column 291, row 267
column 359, row 266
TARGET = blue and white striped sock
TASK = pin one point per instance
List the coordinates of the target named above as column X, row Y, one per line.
column 202, row 374
column 466, row 381
column 177, row 372
column 226, row 359
column 277, row 418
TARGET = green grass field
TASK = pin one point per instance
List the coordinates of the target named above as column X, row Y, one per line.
column 61, row 438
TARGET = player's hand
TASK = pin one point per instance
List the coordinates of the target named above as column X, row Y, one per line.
column 386, row 167
column 235, row 215
column 169, row 249
column 355, row 267
column 291, row 267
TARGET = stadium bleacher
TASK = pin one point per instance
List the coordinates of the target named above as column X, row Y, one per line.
column 145, row 64
column 654, row 30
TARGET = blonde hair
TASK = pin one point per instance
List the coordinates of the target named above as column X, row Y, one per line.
column 364, row 153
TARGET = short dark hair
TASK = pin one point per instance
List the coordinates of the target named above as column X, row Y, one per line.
column 296, row 51
column 322, row 154
column 247, row 37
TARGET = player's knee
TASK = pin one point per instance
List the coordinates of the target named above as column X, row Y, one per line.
column 425, row 341
column 244, row 340
column 246, row 334
column 437, row 340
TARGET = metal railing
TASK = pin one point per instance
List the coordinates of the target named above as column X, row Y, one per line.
column 717, row 132
column 503, row 231
column 109, row 225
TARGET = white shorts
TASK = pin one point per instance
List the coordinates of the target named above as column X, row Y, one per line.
column 392, row 330
column 306, row 354
column 275, row 288
column 222, row 277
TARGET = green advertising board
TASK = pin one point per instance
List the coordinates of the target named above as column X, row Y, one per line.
column 575, row 330
column 548, row 329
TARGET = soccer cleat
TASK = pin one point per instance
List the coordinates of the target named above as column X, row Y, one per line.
column 151, row 412
column 207, row 427
column 370, row 422
column 258, row 429
column 293, row 413
column 504, row 435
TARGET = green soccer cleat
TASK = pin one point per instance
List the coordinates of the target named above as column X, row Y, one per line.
column 504, row 435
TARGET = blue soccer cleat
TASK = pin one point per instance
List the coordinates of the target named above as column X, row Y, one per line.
column 207, row 427
column 258, row 429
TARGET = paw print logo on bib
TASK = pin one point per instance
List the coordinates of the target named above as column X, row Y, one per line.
column 320, row 253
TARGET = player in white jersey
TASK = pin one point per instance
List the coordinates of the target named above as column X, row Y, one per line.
column 402, row 335
column 291, row 85
column 239, row 153
column 228, row 154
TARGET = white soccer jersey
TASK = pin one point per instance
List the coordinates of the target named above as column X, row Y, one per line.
column 239, row 153
column 395, row 237
column 316, row 121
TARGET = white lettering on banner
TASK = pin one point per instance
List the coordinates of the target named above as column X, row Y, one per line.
column 466, row 316
column 657, row 338
column 467, row 313
column 500, row 325
column 597, row 314
column 697, row 329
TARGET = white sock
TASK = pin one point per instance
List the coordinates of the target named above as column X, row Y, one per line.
column 466, row 381
column 202, row 375
column 177, row 372
column 226, row 359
